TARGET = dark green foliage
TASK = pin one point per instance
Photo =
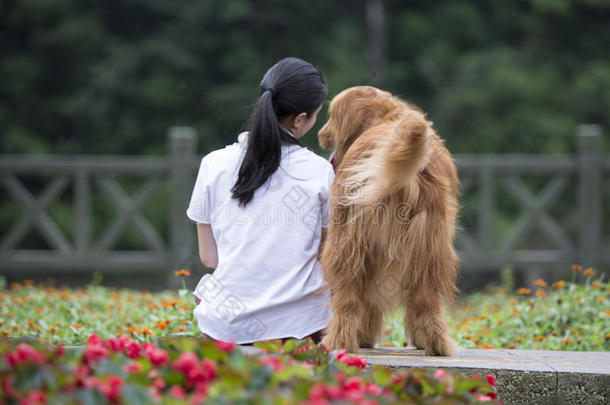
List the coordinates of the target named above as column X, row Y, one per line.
column 112, row 76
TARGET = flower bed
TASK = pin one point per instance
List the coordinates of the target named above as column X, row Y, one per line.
column 560, row 315
column 190, row 371
column 554, row 316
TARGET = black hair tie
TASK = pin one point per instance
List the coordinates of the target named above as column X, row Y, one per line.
column 271, row 89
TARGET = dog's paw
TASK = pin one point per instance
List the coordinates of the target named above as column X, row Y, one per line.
column 445, row 346
column 333, row 343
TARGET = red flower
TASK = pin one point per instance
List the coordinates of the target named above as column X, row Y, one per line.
column 119, row 343
column 112, row 388
column 33, row 398
column 371, row 388
column 226, row 347
column 491, row 379
column 133, row 350
column 159, row 384
column 157, row 356
column 133, row 367
column 177, row 392
column 94, row 339
column 93, row 353
column 7, row 386
column 186, row 362
column 342, row 357
column 275, row 362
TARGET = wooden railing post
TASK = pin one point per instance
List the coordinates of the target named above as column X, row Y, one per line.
column 182, row 150
column 590, row 192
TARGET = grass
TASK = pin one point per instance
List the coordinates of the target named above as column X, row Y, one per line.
column 560, row 316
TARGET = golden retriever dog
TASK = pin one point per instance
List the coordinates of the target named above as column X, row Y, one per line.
column 393, row 210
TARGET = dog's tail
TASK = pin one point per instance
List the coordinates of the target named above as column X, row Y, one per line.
column 392, row 164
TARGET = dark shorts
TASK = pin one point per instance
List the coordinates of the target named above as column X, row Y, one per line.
column 316, row 336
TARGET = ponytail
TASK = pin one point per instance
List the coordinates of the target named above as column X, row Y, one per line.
column 290, row 87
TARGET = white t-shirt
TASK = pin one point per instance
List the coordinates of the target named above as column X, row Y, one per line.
column 268, row 283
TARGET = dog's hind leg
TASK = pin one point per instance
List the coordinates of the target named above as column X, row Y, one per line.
column 348, row 312
column 430, row 283
column 426, row 327
column 370, row 327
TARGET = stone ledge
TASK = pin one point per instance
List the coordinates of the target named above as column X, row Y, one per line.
column 523, row 376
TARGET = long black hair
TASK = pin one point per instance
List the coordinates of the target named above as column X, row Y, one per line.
column 290, row 87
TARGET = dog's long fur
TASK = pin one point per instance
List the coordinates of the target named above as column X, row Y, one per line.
column 392, row 224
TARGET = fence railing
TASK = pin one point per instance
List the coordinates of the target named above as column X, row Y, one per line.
column 487, row 182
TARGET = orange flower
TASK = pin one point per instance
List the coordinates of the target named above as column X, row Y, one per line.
column 600, row 299
column 132, row 330
column 161, row 324
column 576, row 267
column 468, row 336
column 519, row 339
column 15, row 285
column 574, row 331
column 595, row 284
column 146, row 331
column 53, row 330
column 388, row 344
column 500, row 322
column 589, row 272
column 387, row 331
column 76, row 325
column 488, row 347
column 559, row 284
column 540, row 293
column 566, row 341
column 524, row 291
column 540, row 283
column 607, row 336
column 512, row 301
column 168, row 304
column 607, row 313
column 180, row 328
column 5, row 333
column 28, row 283
column 516, row 313
column 512, row 346
column 182, row 272
column 554, row 332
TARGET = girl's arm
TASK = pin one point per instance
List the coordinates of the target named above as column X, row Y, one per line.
column 207, row 246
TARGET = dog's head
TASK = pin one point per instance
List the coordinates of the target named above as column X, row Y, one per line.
column 351, row 113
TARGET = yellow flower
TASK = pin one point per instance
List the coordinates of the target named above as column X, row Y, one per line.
column 589, row 272
column 524, row 291
column 576, row 267
column 559, row 284
column 540, row 293
column 540, row 283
